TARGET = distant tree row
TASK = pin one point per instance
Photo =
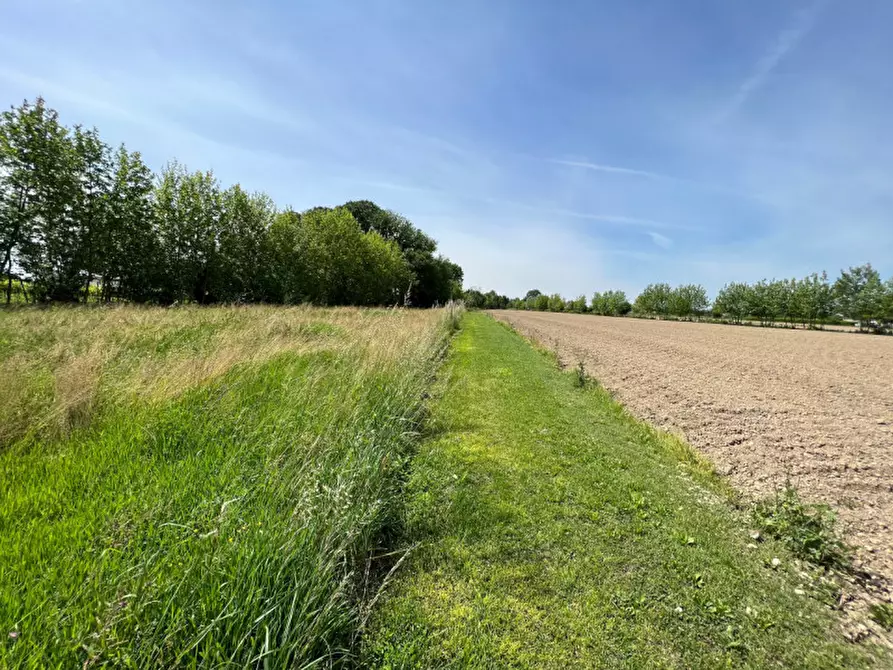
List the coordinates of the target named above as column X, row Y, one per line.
column 683, row 301
column 80, row 221
column 476, row 299
column 858, row 295
column 612, row 303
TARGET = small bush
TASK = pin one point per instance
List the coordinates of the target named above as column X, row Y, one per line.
column 807, row 530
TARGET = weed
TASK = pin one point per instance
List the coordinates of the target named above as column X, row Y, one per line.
column 581, row 379
column 807, row 530
column 556, row 354
column 882, row 615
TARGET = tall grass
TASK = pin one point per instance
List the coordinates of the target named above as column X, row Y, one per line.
column 200, row 487
column 453, row 312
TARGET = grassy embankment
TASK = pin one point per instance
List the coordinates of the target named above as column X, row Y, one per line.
column 200, row 487
column 556, row 531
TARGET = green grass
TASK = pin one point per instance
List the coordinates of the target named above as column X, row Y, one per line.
column 882, row 614
column 202, row 487
column 554, row 531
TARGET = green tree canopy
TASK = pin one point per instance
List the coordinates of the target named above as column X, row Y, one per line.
column 860, row 294
column 654, row 299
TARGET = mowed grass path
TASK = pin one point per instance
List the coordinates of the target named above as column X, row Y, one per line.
column 555, row 531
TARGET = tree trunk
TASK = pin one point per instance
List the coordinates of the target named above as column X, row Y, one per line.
column 7, row 264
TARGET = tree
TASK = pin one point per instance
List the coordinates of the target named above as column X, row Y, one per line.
column 128, row 267
column 529, row 300
column 37, row 193
column 733, row 301
column 386, row 274
column 819, row 297
column 793, row 306
column 541, row 303
column 654, row 299
column 610, row 303
column 332, row 252
column 391, row 226
column 20, row 167
column 335, row 263
column 887, row 306
column 778, row 300
column 599, row 304
column 616, row 303
column 245, row 221
column 556, row 303
column 285, row 278
column 90, row 214
column 189, row 211
column 860, row 294
column 435, row 279
column 577, row 305
column 70, row 239
column 687, row 300
column 474, row 299
column 492, row 300
column 809, row 300
column 73, row 214
column 761, row 301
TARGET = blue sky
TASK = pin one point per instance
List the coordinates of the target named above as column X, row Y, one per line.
column 568, row 146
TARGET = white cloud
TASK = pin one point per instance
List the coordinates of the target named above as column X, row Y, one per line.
column 662, row 241
column 785, row 43
column 614, row 169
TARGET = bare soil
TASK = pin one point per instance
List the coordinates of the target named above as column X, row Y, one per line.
column 765, row 405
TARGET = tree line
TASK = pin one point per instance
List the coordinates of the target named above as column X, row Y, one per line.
column 609, row 303
column 81, row 221
column 858, row 295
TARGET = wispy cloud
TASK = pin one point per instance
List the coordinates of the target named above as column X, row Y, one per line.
column 657, row 176
column 616, row 219
column 623, row 220
column 543, row 212
column 662, row 241
column 785, row 43
column 614, row 169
